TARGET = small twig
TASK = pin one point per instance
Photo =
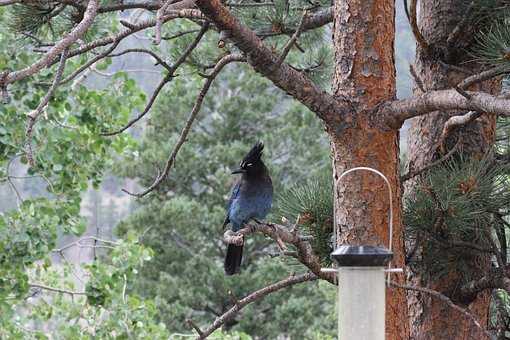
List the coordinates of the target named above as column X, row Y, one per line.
column 179, row 34
column 257, row 295
column 196, row 328
column 56, row 290
column 454, row 68
column 292, row 40
column 163, row 82
column 187, row 127
column 413, row 173
column 79, row 243
column 33, row 115
column 147, row 108
column 159, row 60
column 446, row 300
column 483, row 76
column 91, row 62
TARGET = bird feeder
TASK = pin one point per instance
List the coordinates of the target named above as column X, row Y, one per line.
column 361, row 283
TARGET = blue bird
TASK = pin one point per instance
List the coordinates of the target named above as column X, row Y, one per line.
column 251, row 198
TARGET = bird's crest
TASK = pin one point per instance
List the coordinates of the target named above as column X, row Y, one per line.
column 253, row 155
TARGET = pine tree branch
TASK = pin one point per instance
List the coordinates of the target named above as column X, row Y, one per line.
column 264, row 61
column 446, row 300
column 483, row 76
column 494, row 279
column 394, row 113
column 257, row 295
column 48, row 59
column 281, row 234
column 163, row 82
column 187, row 127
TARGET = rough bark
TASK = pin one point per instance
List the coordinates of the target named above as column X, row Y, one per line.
column 430, row 318
column 363, row 37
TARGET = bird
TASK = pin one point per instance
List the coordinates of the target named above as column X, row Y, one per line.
column 251, row 199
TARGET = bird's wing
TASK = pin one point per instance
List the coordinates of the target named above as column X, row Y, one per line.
column 233, row 196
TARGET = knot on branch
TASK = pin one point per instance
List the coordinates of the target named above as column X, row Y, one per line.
column 231, row 237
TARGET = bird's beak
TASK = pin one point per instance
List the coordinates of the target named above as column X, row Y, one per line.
column 238, row 171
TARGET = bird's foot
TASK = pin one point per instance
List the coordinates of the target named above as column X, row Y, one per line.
column 232, row 237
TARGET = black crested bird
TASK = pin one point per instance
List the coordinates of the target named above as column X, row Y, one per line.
column 251, row 198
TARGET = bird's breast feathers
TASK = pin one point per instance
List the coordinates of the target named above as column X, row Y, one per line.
column 245, row 208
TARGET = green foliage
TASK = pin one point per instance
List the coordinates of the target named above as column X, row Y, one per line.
column 118, row 315
column 310, row 205
column 453, row 212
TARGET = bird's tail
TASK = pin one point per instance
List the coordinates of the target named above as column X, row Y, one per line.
column 233, row 259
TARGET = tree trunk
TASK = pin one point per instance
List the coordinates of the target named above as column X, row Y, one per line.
column 430, row 317
column 363, row 36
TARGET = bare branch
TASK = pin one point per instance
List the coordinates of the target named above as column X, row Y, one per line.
column 159, row 60
column 281, row 234
column 483, row 76
column 91, row 62
column 264, row 61
column 494, row 279
column 292, row 40
column 148, row 5
column 413, row 173
column 257, row 295
column 76, row 33
column 446, row 300
column 163, row 82
column 34, row 115
column 394, row 113
column 56, row 290
column 195, row 327
column 133, row 28
column 187, row 127
column 80, row 244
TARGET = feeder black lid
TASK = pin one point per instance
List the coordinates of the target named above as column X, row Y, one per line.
column 361, row 256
